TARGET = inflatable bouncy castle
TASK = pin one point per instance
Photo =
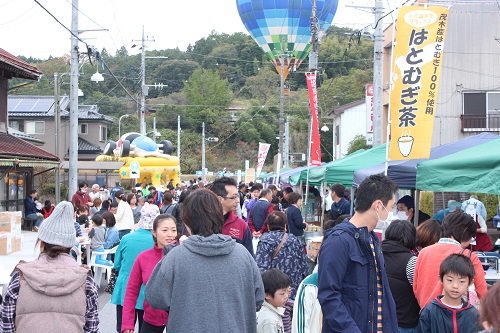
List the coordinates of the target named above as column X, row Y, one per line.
column 145, row 160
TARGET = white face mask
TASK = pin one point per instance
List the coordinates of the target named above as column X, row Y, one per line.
column 402, row 215
column 390, row 216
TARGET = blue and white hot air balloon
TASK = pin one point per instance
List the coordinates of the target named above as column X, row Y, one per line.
column 270, row 22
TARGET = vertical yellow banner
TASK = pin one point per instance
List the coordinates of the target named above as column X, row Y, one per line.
column 416, row 67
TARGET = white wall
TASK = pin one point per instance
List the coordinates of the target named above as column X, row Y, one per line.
column 351, row 123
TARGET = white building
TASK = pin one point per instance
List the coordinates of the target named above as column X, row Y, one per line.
column 349, row 120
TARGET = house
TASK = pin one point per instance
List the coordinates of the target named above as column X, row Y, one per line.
column 469, row 91
column 348, row 121
column 35, row 116
column 20, row 160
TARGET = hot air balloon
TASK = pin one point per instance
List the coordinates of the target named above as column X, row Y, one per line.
column 284, row 26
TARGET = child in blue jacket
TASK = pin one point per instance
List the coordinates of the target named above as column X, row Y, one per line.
column 451, row 312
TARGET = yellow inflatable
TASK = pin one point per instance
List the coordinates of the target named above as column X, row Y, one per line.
column 145, row 161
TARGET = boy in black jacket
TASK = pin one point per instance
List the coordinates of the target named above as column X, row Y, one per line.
column 450, row 312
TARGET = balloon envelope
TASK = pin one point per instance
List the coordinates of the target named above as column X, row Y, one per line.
column 284, row 25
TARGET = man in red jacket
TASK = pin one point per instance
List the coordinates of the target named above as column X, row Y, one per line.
column 234, row 226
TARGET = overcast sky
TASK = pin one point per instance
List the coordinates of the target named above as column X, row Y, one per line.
column 27, row 29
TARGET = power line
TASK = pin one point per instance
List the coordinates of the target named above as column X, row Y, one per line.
column 71, row 32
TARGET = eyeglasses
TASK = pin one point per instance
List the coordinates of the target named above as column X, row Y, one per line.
column 233, row 197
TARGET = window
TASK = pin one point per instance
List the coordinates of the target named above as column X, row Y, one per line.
column 83, row 129
column 481, row 111
column 17, row 125
column 103, row 133
column 35, row 127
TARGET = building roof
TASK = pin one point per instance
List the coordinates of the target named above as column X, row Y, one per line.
column 86, row 147
column 26, row 137
column 43, row 106
column 17, row 67
column 12, row 147
column 343, row 108
column 91, row 112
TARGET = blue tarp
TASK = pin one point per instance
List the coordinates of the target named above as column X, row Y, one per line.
column 404, row 173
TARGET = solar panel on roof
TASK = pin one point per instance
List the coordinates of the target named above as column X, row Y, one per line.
column 30, row 105
column 42, row 105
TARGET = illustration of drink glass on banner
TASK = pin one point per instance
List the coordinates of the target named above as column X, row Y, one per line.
column 416, row 67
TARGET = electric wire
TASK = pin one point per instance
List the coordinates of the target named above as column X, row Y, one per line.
column 55, row 18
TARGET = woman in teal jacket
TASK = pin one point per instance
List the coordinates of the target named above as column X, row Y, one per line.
column 130, row 246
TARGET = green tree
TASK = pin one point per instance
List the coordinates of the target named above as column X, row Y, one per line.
column 208, row 95
column 173, row 73
column 359, row 142
column 263, row 86
column 344, row 89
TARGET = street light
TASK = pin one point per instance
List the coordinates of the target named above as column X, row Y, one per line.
column 119, row 125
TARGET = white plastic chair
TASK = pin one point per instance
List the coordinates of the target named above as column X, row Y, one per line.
column 99, row 269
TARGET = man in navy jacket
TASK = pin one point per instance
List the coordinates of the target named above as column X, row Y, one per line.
column 352, row 283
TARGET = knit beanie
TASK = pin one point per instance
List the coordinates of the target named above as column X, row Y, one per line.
column 407, row 201
column 148, row 214
column 59, row 228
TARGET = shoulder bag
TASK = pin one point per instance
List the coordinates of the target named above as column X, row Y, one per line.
column 275, row 253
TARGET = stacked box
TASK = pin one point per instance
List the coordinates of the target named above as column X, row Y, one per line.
column 10, row 232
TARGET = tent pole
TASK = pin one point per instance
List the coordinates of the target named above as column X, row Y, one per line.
column 444, row 206
column 322, row 217
column 417, row 208
column 393, row 42
column 352, row 200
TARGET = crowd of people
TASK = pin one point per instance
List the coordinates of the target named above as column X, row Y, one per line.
column 226, row 257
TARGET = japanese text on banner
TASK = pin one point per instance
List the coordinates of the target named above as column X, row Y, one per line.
column 313, row 102
column 416, row 69
column 261, row 158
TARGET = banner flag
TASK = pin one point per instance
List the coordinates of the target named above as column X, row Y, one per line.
column 261, row 157
column 313, row 102
column 369, row 113
column 416, row 68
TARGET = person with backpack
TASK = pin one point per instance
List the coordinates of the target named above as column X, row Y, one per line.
column 479, row 206
column 476, row 210
column 168, row 204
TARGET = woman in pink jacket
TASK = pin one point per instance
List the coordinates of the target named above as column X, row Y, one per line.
column 164, row 233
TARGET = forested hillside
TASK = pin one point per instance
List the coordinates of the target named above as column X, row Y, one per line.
column 225, row 81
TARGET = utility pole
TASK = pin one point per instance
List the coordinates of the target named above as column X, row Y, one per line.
column 57, row 184
column 154, row 129
column 286, row 158
column 377, row 75
column 144, row 88
column 179, row 137
column 313, row 54
column 73, row 106
column 203, row 152
column 378, row 36
column 282, row 100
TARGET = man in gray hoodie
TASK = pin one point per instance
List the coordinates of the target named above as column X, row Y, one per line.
column 210, row 283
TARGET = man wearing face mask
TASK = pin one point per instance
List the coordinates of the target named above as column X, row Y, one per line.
column 353, row 289
column 406, row 209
